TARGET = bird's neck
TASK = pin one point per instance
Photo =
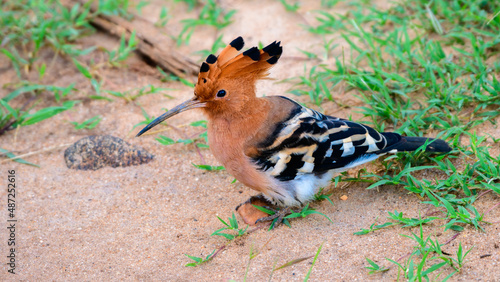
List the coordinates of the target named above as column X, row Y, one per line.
column 241, row 122
column 227, row 136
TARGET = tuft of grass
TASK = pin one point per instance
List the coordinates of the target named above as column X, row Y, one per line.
column 306, row 211
column 199, row 260
column 87, row 124
column 132, row 94
column 313, row 262
column 163, row 18
column 116, row 57
column 30, row 26
column 373, row 228
column 418, row 265
column 209, row 167
column 211, row 14
column 35, row 28
column 375, row 268
column 31, row 118
column 290, row 7
column 232, row 225
column 320, row 196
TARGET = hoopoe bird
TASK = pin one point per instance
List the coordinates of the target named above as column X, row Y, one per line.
column 272, row 144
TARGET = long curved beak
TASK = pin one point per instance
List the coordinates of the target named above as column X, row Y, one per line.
column 189, row 104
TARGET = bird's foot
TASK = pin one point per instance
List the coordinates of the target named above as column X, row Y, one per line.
column 278, row 217
column 248, row 211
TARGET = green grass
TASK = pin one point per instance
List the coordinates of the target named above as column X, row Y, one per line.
column 426, row 261
column 35, row 30
column 87, row 124
column 420, row 67
column 199, row 260
column 32, row 27
column 290, row 7
column 211, row 14
column 420, row 263
column 395, row 73
column 231, row 224
column 304, row 212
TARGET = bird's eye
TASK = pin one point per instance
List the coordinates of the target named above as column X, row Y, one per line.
column 221, row 93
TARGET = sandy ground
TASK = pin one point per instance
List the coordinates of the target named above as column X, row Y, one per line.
column 136, row 223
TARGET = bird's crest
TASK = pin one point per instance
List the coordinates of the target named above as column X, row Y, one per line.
column 252, row 64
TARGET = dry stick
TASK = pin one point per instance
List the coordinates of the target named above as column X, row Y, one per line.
column 258, row 228
column 452, row 238
column 433, row 213
column 483, row 193
column 426, row 214
column 36, row 152
column 15, row 134
column 160, row 48
column 403, row 257
column 492, row 208
column 220, row 249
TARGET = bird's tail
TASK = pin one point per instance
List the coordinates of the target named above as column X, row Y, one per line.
column 406, row 143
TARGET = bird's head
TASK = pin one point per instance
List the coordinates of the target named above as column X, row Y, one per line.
column 226, row 84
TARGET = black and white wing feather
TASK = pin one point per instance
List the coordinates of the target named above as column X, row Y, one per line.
column 308, row 142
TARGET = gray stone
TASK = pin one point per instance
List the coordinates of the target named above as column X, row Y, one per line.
column 95, row 152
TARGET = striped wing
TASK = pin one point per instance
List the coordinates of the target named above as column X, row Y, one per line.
column 309, row 142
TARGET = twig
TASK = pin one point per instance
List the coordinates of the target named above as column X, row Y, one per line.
column 257, row 228
column 403, row 257
column 35, row 152
column 492, row 208
column 483, row 193
column 452, row 238
column 220, row 249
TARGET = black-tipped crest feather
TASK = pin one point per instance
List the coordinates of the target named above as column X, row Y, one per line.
column 253, row 53
column 237, row 43
column 204, row 67
column 232, row 64
column 211, row 59
column 272, row 60
column 273, row 49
